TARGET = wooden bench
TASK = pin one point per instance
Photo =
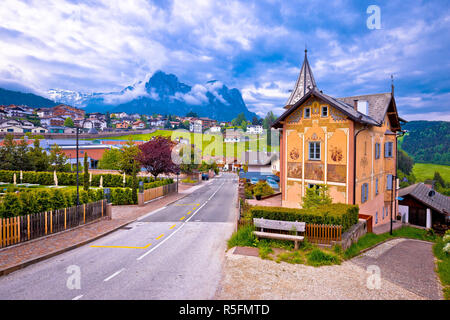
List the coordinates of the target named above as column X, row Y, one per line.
column 279, row 225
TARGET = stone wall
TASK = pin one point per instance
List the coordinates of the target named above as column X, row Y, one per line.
column 352, row 235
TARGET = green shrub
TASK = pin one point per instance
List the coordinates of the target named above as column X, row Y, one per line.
column 157, row 183
column 70, row 179
column 262, row 189
column 333, row 214
column 318, row 257
column 243, row 237
column 36, row 201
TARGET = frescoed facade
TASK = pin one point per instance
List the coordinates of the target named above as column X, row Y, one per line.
column 348, row 144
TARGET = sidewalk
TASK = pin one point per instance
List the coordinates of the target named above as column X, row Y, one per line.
column 22, row 255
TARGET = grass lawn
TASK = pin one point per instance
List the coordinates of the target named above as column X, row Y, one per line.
column 424, row 171
column 208, row 147
column 312, row 255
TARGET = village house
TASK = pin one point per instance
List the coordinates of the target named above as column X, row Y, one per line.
column 139, row 124
column 255, row 129
column 65, row 111
column 348, row 144
column 423, row 206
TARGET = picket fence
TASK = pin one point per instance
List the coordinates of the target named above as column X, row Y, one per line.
column 315, row 233
column 24, row 228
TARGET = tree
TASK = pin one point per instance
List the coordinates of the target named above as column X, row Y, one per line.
column 86, row 173
column 57, row 159
column 190, row 159
column 128, row 162
column 405, row 162
column 238, row 120
column 192, row 114
column 167, row 125
column 269, row 120
column 8, row 153
column 255, row 120
column 439, row 181
column 38, row 157
column 69, row 122
column 244, row 125
column 316, row 196
column 156, row 156
column 110, row 159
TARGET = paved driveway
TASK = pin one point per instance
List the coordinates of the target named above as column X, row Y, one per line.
column 407, row 263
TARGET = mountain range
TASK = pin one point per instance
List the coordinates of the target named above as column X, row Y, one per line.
column 163, row 94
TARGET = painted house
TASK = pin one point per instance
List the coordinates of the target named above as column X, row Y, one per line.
column 348, row 144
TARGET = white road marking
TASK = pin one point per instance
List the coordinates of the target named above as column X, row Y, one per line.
column 155, row 247
column 114, row 274
column 78, row 297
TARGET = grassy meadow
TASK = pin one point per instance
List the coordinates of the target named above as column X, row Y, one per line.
column 424, row 171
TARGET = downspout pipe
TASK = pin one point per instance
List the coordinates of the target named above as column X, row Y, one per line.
column 354, row 162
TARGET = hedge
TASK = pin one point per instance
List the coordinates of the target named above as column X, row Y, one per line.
column 341, row 214
column 157, row 183
column 70, row 179
column 35, row 201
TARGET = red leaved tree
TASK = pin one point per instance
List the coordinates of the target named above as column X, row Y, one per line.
column 155, row 156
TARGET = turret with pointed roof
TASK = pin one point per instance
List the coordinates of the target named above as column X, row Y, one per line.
column 305, row 82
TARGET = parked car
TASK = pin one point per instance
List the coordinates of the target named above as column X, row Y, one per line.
column 273, row 184
column 254, row 180
column 205, row 176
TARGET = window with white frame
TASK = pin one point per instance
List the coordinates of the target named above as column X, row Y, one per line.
column 314, row 150
column 307, row 114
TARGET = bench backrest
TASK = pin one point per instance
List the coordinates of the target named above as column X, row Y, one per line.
column 279, row 225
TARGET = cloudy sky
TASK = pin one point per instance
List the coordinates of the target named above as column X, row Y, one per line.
column 256, row 46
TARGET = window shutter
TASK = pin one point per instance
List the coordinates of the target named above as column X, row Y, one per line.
column 376, row 186
column 367, row 191
column 362, row 193
column 389, row 181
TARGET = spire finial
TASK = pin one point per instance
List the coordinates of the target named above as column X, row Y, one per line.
column 392, row 84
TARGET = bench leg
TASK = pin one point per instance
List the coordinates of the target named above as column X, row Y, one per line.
column 295, row 245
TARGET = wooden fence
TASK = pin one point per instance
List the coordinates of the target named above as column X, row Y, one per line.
column 23, row 228
column 157, row 192
column 323, row 233
column 315, row 233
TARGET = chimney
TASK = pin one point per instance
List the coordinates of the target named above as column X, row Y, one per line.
column 355, row 104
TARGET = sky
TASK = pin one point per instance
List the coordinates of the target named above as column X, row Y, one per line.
column 255, row 46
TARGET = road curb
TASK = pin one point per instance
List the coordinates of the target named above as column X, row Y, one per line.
column 26, row 263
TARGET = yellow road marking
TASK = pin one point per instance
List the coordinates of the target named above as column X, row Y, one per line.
column 189, row 212
column 183, row 218
column 123, row 247
column 160, row 236
column 173, row 226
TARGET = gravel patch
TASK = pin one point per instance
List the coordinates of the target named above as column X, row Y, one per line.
column 246, row 277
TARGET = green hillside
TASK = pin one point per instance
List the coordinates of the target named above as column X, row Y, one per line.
column 8, row 97
column 424, row 171
column 427, row 141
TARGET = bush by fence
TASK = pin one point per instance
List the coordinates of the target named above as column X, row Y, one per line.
column 70, row 179
column 18, row 229
column 157, row 183
column 341, row 214
column 35, row 201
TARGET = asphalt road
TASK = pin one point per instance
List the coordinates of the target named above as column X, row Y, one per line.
column 176, row 252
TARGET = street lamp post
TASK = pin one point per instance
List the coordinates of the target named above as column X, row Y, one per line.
column 78, row 192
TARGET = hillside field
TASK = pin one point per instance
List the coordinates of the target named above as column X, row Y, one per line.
column 238, row 147
column 424, row 171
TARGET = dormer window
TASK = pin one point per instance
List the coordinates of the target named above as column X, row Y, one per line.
column 324, row 111
column 307, row 114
